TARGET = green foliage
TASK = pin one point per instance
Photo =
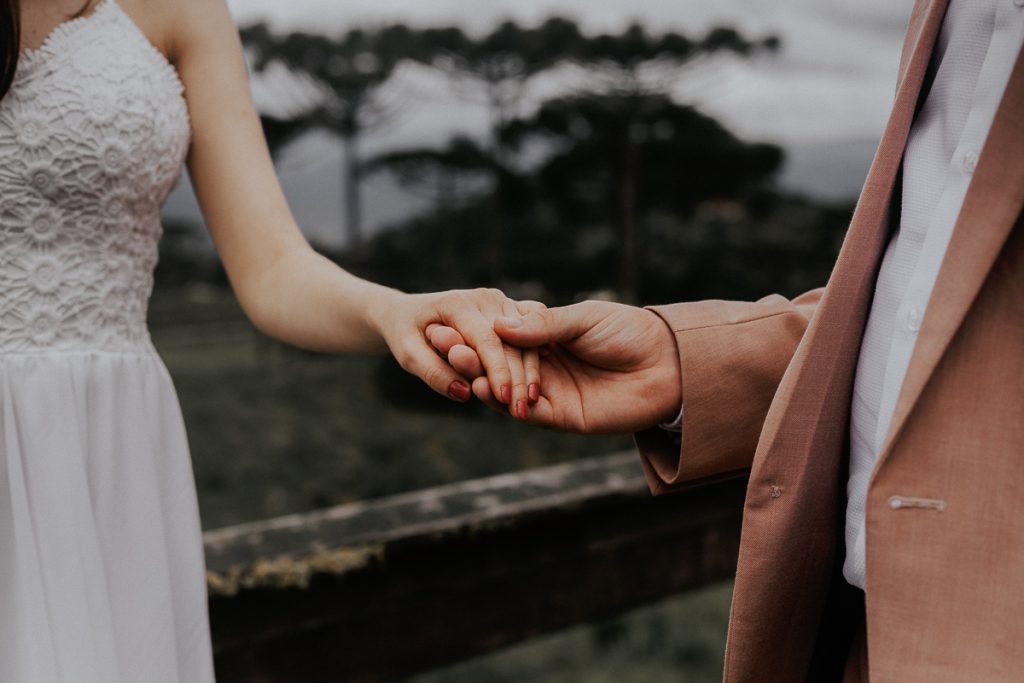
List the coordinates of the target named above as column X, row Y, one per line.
column 675, row 156
column 722, row 249
column 681, row 640
column 693, row 201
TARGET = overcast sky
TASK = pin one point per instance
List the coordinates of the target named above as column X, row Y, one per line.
column 834, row 78
column 824, row 97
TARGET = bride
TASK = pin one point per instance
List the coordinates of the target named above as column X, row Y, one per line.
column 101, row 559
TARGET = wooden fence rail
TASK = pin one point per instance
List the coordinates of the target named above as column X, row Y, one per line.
column 378, row 590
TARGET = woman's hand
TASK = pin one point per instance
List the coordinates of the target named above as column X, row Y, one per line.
column 607, row 368
column 412, row 325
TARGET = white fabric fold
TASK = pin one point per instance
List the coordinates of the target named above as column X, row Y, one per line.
column 102, row 572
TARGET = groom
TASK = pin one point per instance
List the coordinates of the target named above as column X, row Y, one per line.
column 881, row 418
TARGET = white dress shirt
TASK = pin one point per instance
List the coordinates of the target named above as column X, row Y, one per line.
column 975, row 54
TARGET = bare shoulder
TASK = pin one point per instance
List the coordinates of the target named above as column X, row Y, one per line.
column 174, row 26
column 151, row 17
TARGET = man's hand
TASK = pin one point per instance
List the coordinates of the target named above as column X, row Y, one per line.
column 605, row 367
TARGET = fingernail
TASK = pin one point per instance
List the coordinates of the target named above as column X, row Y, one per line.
column 511, row 322
column 506, row 393
column 534, row 392
column 459, row 391
column 521, row 410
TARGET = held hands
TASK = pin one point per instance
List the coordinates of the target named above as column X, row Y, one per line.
column 594, row 367
column 407, row 321
column 604, row 367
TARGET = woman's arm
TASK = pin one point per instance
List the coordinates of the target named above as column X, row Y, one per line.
column 287, row 289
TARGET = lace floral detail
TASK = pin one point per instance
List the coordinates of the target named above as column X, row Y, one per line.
column 92, row 136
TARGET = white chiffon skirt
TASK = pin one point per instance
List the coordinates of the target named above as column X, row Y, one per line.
column 101, row 560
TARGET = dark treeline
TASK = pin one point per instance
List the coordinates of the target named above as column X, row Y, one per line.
column 617, row 184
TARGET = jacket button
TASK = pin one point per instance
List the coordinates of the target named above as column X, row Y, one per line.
column 970, row 162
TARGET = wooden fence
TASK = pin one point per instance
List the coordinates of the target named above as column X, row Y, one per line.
column 379, row 590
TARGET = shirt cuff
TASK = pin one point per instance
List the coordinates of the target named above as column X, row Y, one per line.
column 675, row 425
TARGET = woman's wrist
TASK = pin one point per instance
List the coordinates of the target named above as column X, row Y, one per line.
column 381, row 306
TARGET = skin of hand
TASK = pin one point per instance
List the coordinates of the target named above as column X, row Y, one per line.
column 288, row 290
column 604, row 367
column 523, row 363
column 411, row 320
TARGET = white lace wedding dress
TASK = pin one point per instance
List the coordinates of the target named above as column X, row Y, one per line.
column 101, row 560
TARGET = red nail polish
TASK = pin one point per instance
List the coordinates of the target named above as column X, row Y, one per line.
column 521, row 410
column 506, row 393
column 534, row 392
column 459, row 391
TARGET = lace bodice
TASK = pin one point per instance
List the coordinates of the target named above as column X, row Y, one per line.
column 92, row 137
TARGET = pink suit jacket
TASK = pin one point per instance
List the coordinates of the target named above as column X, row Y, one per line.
column 767, row 387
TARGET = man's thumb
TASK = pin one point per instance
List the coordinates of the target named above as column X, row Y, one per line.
column 537, row 328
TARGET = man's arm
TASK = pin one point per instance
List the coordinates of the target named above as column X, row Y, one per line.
column 611, row 368
column 732, row 356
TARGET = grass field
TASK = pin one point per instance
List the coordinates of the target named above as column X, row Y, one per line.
column 681, row 640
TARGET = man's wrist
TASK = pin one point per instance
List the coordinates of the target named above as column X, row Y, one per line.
column 670, row 385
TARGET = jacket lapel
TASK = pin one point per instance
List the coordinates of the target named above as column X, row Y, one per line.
column 801, row 446
column 922, row 32
column 821, row 375
column 869, row 227
column 991, row 208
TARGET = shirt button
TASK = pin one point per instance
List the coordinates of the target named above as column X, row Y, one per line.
column 971, row 157
column 913, row 319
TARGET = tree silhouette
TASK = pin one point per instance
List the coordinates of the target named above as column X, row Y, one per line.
column 496, row 70
column 636, row 70
column 279, row 132
column 348, row 73
column 636, row 62
column 447, row 175
column 461, row 172
column 633, row 65
column 620, row 123
column 626, row 155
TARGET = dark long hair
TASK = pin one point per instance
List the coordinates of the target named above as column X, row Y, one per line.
column 10, row 42
column 10, row 39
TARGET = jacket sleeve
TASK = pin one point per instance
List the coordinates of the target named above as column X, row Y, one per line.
column 732, row 357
